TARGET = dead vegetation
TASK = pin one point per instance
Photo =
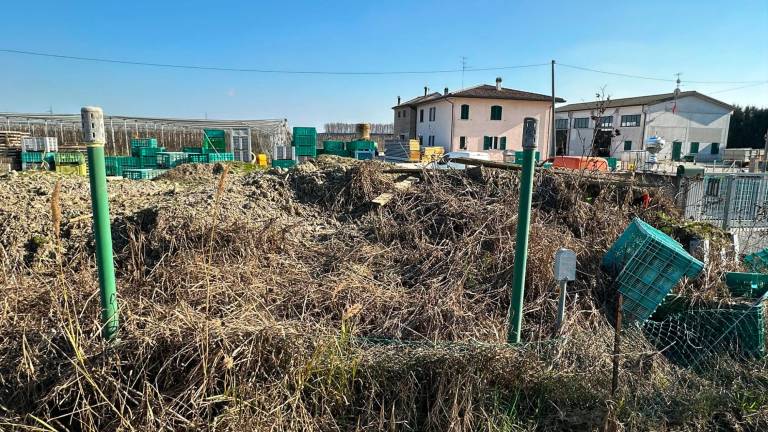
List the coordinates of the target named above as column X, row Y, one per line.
column 287, row 301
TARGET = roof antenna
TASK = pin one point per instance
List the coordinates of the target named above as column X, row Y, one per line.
column 463, row 69
column 677, row 89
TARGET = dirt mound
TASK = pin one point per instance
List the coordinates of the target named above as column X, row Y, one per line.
column 286, row 300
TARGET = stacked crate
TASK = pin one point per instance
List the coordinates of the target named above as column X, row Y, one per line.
column 336, row 148
column 70, row 162
column 115, row 165
column 146, row 150
column 171, row 159
column 305, row 141
column 38, row 152
column 10, row 149
column 215, row 139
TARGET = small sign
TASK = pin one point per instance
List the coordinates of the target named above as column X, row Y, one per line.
column 565, row 265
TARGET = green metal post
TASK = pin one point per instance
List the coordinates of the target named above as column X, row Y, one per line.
column 102, row 231
column 523, row 228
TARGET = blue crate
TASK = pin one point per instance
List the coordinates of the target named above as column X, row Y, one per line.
column 758, row 261
column 649, row 264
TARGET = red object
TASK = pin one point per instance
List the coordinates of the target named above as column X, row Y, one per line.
column 580, row 163
column 646, row 200
column 674, row 107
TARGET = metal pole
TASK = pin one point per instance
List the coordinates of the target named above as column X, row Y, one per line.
column 93, row 132
column 561, row 305
column 728, row 201
column 553, row 140
column 523, row 228
column 765, row 153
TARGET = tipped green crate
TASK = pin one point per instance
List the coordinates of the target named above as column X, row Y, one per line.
column 750, row 285
column 69, row 158
column 143, row 142
column 215, row 138
column 647, row 264
column 141, row 173
column 171, row 159
column 758, row 261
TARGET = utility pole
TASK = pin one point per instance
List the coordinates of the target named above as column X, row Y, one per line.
column 553, row 140
column 463, row 69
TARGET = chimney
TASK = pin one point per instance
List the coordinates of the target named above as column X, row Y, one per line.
column 426, row 89
column 498, row 83
column 398, row 100
column 445, row 91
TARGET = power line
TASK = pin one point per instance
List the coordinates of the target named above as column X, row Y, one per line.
column 626, row 75
column 266, row 71
column 740, row 87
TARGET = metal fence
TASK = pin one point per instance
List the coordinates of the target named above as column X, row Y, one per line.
column 731, row 201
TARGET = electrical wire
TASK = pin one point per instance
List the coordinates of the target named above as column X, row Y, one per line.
column 655, row 78
column 265, row 71
column 739, row 88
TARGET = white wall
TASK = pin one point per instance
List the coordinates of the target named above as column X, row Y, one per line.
column 510, row 126
column 440, row 127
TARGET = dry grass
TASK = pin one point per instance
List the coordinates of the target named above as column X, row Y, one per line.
column 288, row 302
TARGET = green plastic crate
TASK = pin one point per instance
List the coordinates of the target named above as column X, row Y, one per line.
column 193, row 150
column 329, row 146
column 283, row 163
column 519, row 157
column 141, row 173
column 197, row 158
column 69, row 158
column 365, row 145
column 364, row 155
column 146, row 151
column 215, row 138
column 758, row 261
column 305, row 137
column 750, row 285
column 143, row 142
column 148, row 161
column 171, row 159
column 116, row 164
column 648, row 264
column 612, row 162
column 305, row 151
column 33, row 156
column 342, row 153
column 220, row 157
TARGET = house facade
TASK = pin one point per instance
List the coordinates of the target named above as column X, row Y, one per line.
column 481, row 118
column 694, row 126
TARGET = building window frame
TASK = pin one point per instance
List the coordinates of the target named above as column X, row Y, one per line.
column 627, row 145
column 432, row 113
column 496, row 112
column 714, row 148
column 421, row 115
column 431, row 141
column 464, row 114
column 606, row 122
column 581, row 123
column 630, row 120
column 462, row 143
column 694, row 149
column 561, row 124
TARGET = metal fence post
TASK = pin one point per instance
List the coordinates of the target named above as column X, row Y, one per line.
column 730, row 193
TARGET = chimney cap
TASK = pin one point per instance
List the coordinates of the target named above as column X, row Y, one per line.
column 498, row 83
column 445, row 91
column 426, row 89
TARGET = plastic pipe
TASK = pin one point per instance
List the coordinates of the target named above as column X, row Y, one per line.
column 521, row 246
column 93, row 133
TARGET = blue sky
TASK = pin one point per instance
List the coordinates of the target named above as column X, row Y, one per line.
column 704, row 40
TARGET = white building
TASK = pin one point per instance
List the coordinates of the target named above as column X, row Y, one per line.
column 694, row 126
column 481, row 118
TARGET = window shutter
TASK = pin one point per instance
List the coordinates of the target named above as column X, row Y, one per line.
column 503, row 143
column 694, row 148
column 486, row 143
column 627, row 145
column 465, row 112
column 714, row 148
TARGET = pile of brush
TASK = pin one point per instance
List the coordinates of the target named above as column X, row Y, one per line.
column 288, row 301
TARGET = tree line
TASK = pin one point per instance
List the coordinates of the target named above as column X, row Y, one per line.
column 349, row 128
column 748, row 127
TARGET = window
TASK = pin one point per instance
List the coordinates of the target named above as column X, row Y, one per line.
column 465, row 112
column 606, row 122
column 496, row 112
column 398, row 114
column 462, row 143
column 581, row 123
column 630, row 120
column 432, row 112
column 503, row 143
column 561, row 123
column 421, row 116
column 714, row 148
column 421, row 140
column 694, row 148
column 627, row 145
column 487, row 143
column 712, row 187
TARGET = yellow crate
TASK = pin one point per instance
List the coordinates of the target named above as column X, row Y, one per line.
column 262, row 160
column 414, row 155
column 73, row 169
column 430, row 151
column 413, row 145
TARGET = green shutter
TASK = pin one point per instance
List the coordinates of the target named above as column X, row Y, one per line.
column 496, row 112
column 694, row 148
column 486, row 143
column 465, row 112
column 503, row 143
column 627, row 145
column 714, row 148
